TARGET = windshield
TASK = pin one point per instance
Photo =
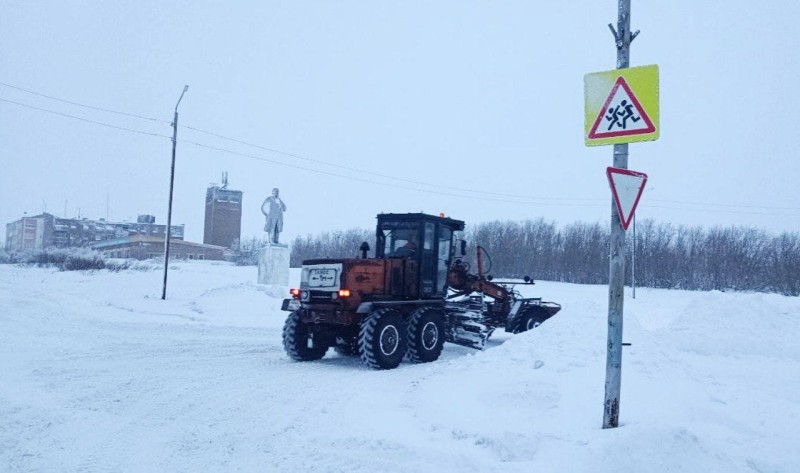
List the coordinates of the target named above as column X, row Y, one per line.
column 399, row 239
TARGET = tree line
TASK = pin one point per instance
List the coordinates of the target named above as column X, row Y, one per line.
column 667, row 256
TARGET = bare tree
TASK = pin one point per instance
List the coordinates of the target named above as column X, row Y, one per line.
column 736, row 258
column 335, row 244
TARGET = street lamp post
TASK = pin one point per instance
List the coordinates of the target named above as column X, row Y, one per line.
column 171, row 186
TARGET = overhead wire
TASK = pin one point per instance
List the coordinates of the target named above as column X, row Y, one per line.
column 550, row 200
column 787, row 213
column 360, row 179
column 281, row 163
column 437, row 185
column 95, row 122
column 724, row 205
column 462, row 189
column 376, row 174
column 78, row 104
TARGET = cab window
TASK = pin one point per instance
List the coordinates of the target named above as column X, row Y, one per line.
column 398, row 238
column 443, row 260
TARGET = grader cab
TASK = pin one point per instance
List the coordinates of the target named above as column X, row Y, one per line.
column 415, row 294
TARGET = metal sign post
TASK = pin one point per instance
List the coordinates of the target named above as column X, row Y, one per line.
column 616, row 279
column 620, row 107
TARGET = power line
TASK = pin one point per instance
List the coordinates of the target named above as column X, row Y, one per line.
column 460, row 189
column 549, row 200
column 345, row 176
column 788, row 212
column 281, row 163
column 384, row 176
column 85, row 119
column 100, row 109
column 284, row 153
column 724, row 205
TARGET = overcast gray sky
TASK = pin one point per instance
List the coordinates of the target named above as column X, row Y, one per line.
column 474, row 109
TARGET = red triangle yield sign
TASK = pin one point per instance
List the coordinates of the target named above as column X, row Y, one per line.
column 627, row 187
column 622, row 115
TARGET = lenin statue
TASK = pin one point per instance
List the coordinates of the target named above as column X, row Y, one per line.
column 273, row 208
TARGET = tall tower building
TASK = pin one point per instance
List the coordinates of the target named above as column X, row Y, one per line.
column 223, row 226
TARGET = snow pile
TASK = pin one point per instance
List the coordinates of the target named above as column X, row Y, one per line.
column 99, row 374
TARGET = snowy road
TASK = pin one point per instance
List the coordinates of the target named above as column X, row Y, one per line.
column 99, row 374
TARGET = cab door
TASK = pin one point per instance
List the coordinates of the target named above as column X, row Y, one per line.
column 428, row 260
column 444, row 253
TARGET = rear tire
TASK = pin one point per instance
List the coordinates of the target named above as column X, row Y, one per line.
column 528, row 320
column 382, row 339
column 297, row 340
column 425, row 335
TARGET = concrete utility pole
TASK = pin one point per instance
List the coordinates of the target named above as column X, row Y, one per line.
column 616, row 283
column 171, row 185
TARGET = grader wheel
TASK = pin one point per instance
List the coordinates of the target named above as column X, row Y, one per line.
column 425, row 335
column 382, row 339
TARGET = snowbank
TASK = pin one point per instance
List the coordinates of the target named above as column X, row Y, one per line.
column 99, row 374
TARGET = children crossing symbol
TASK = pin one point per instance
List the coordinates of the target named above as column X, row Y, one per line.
column 622, row 115
column 621, row 106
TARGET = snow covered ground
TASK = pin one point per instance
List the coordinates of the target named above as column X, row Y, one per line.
column 98, row 374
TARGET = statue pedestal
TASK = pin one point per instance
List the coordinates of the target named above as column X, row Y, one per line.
column 273, row 265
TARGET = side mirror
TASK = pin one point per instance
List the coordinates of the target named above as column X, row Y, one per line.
column 463, row 247
column 364, row 248
column 528, row 280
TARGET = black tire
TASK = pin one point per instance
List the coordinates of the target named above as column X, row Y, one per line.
column 296, row 340
column 425, row 335
column 382, row 339
column 529, row 320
